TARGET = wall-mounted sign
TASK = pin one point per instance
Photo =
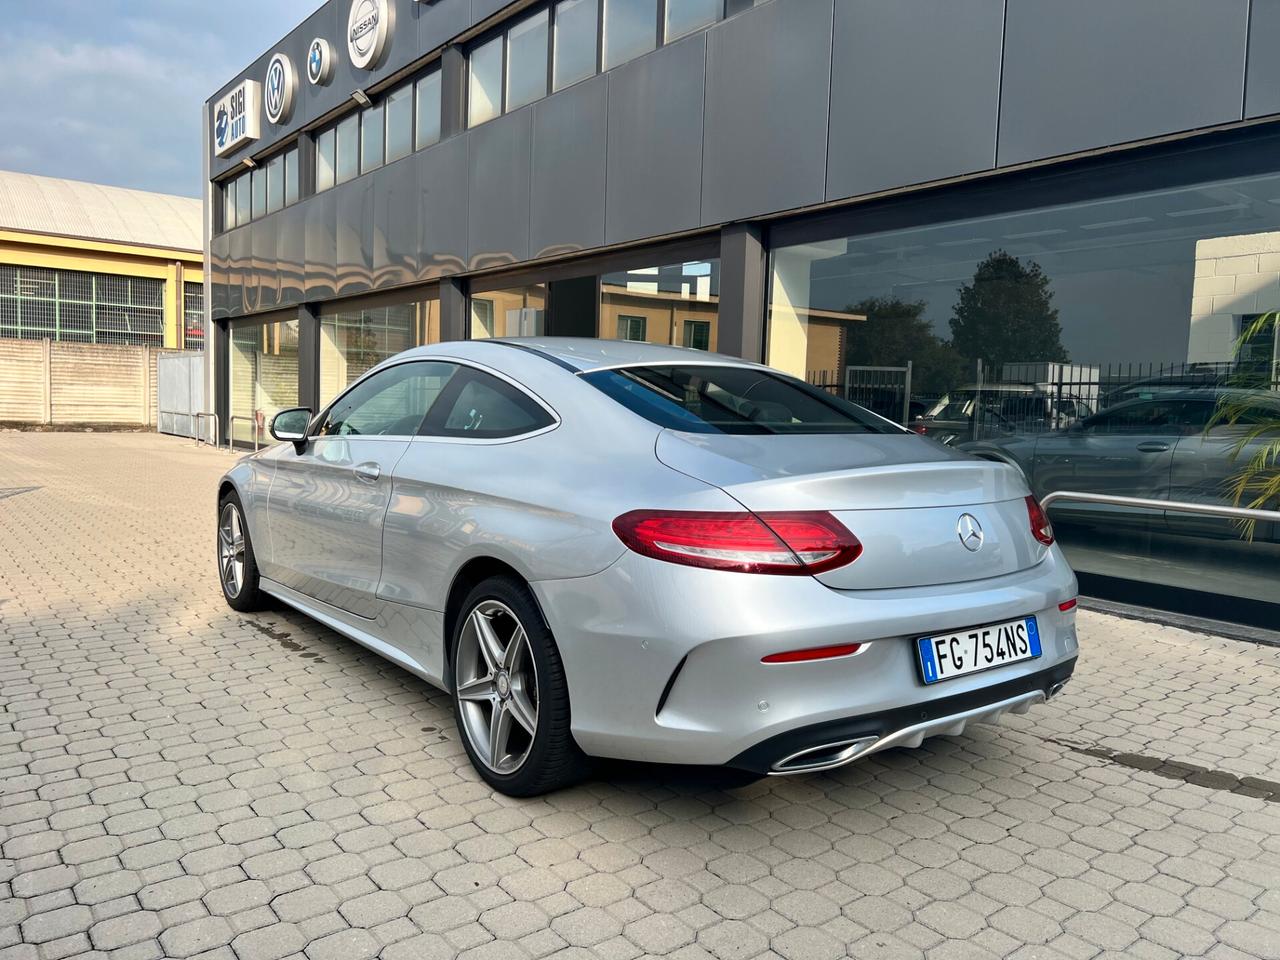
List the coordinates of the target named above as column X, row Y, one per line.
column 236, row 117
column 369, row 26
column 278, row 87
column 319, row 62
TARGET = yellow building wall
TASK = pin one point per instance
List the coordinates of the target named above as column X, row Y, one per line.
column 93, row 256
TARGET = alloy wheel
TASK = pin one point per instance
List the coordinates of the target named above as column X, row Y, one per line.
column 497, row 686
column 231, row 550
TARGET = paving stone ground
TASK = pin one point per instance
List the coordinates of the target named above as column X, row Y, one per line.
column 178, row 780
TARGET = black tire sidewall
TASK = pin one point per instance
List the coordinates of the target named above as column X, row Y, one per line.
column 554, row 759
column 249, row 598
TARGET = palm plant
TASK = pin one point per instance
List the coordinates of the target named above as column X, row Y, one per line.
column 1257, row 483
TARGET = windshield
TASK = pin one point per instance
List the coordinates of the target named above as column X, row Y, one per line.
column 698, row 398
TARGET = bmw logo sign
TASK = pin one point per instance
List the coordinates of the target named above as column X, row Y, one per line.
column 368, row 29
column 319, row 62
column 221, row 124
column 278, row 88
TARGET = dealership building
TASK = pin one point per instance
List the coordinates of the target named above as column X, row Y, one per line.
column 895, row 200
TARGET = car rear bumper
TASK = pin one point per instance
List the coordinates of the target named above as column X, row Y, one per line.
column 664, row 663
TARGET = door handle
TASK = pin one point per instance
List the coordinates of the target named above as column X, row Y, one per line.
column 368, row 472
column 1153, row 446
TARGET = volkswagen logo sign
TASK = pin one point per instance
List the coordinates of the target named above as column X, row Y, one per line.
column 969, row 530
column 368, row 30
column 278, row 88
column 319, row 62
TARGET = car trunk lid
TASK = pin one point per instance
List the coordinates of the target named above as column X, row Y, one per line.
column 912, row 503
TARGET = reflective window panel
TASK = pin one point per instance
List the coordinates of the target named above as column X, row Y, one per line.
column 291, row 175
column 686, row 16
column 630, row 29
column 373, row 138
column 675, row 304
column 275, row 183
column 1124, row 345
column 399, row 123
column 325, row 158
column 348, row 149
column 264, row 377
column 484, row 91
column 515, row 312
column 427, row 94
column 354, row 341
column 575, row 42
column 527, row 60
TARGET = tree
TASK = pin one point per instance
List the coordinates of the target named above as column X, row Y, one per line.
column 1006, row 314
column 895, row 332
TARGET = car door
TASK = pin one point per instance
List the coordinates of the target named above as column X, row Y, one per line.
column 1126, row 451
column 329, row 499
column 1207, row 457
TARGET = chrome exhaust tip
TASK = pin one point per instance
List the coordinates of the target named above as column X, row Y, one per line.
column 1057, row 688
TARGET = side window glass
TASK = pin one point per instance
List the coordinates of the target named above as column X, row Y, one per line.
column 391, row 403
column 484, row 407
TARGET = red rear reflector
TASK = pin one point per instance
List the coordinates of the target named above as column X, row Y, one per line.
column 801, row 542
column 1041, row 528
column 1066, row 605
column 813, row 653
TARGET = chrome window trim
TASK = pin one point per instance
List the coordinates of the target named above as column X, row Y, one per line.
column 457, row 361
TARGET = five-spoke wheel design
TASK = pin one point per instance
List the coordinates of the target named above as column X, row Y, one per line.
column 231, row 550
column 497, row 686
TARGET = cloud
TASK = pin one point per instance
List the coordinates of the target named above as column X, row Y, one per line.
column 112, row 92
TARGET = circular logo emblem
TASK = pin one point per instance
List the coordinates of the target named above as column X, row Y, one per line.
column 319, row 61
column 278, row 87
column 969, row 530
column 221, row 123
column 368, row 30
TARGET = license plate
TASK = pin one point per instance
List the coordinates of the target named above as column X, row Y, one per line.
column 952, row 655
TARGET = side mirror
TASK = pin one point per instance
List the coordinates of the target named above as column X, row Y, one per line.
column 291, row 425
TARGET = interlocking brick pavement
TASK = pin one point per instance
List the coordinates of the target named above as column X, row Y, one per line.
column 180, row 780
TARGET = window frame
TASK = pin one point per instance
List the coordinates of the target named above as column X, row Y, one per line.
column 318, row 420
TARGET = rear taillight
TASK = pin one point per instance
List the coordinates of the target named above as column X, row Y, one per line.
column 786, row 543
column 1041, row 528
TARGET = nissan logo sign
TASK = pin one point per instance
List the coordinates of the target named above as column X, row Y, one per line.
column 369, row 28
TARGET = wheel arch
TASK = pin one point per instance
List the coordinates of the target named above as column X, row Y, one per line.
column 476, row 570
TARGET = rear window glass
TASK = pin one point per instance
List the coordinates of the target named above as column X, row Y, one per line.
column 484, row 407
column 742, row 400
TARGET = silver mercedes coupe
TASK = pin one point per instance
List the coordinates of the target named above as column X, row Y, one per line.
column 614, row 549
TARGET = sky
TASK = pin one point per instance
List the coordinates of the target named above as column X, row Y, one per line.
column 110, row 91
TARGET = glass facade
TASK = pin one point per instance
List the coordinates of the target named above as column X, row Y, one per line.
column 575, row 41
column 373, row 138
column 1088, row 343
column 675, row 304
column 399, row 111
column 427, row 110
column 42, row 304
column 685, row 16
column 193, row 315
column 353, row 341
column 484, row 91
column 527, row 60
column 347, row 164
column 513, row 312
column 263, row 377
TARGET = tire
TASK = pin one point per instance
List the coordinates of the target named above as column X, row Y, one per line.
column 241, row 592
column 524, row 688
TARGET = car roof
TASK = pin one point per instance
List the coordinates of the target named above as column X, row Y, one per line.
column 583, row 354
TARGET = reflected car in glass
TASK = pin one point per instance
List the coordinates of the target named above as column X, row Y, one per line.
column 650, row 553
column 1166, row 446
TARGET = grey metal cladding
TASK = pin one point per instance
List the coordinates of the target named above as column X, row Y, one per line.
column 570, row 136
column 264, row 265
column 1263, row 86
column 291, row 253
column 395, row 224
column 240, row 276
column 441, row 21
column 353, row 203
column 442, row 208
column 219, row 274
column 914, row 92
column 498, row 190
column 769, row 65
column 321, row 244
column 654, row 164
column 1092, row 73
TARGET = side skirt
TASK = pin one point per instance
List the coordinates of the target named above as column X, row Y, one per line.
column 341, row 622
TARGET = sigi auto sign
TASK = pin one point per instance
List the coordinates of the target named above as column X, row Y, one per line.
column 369, row 26
column 237, row 117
